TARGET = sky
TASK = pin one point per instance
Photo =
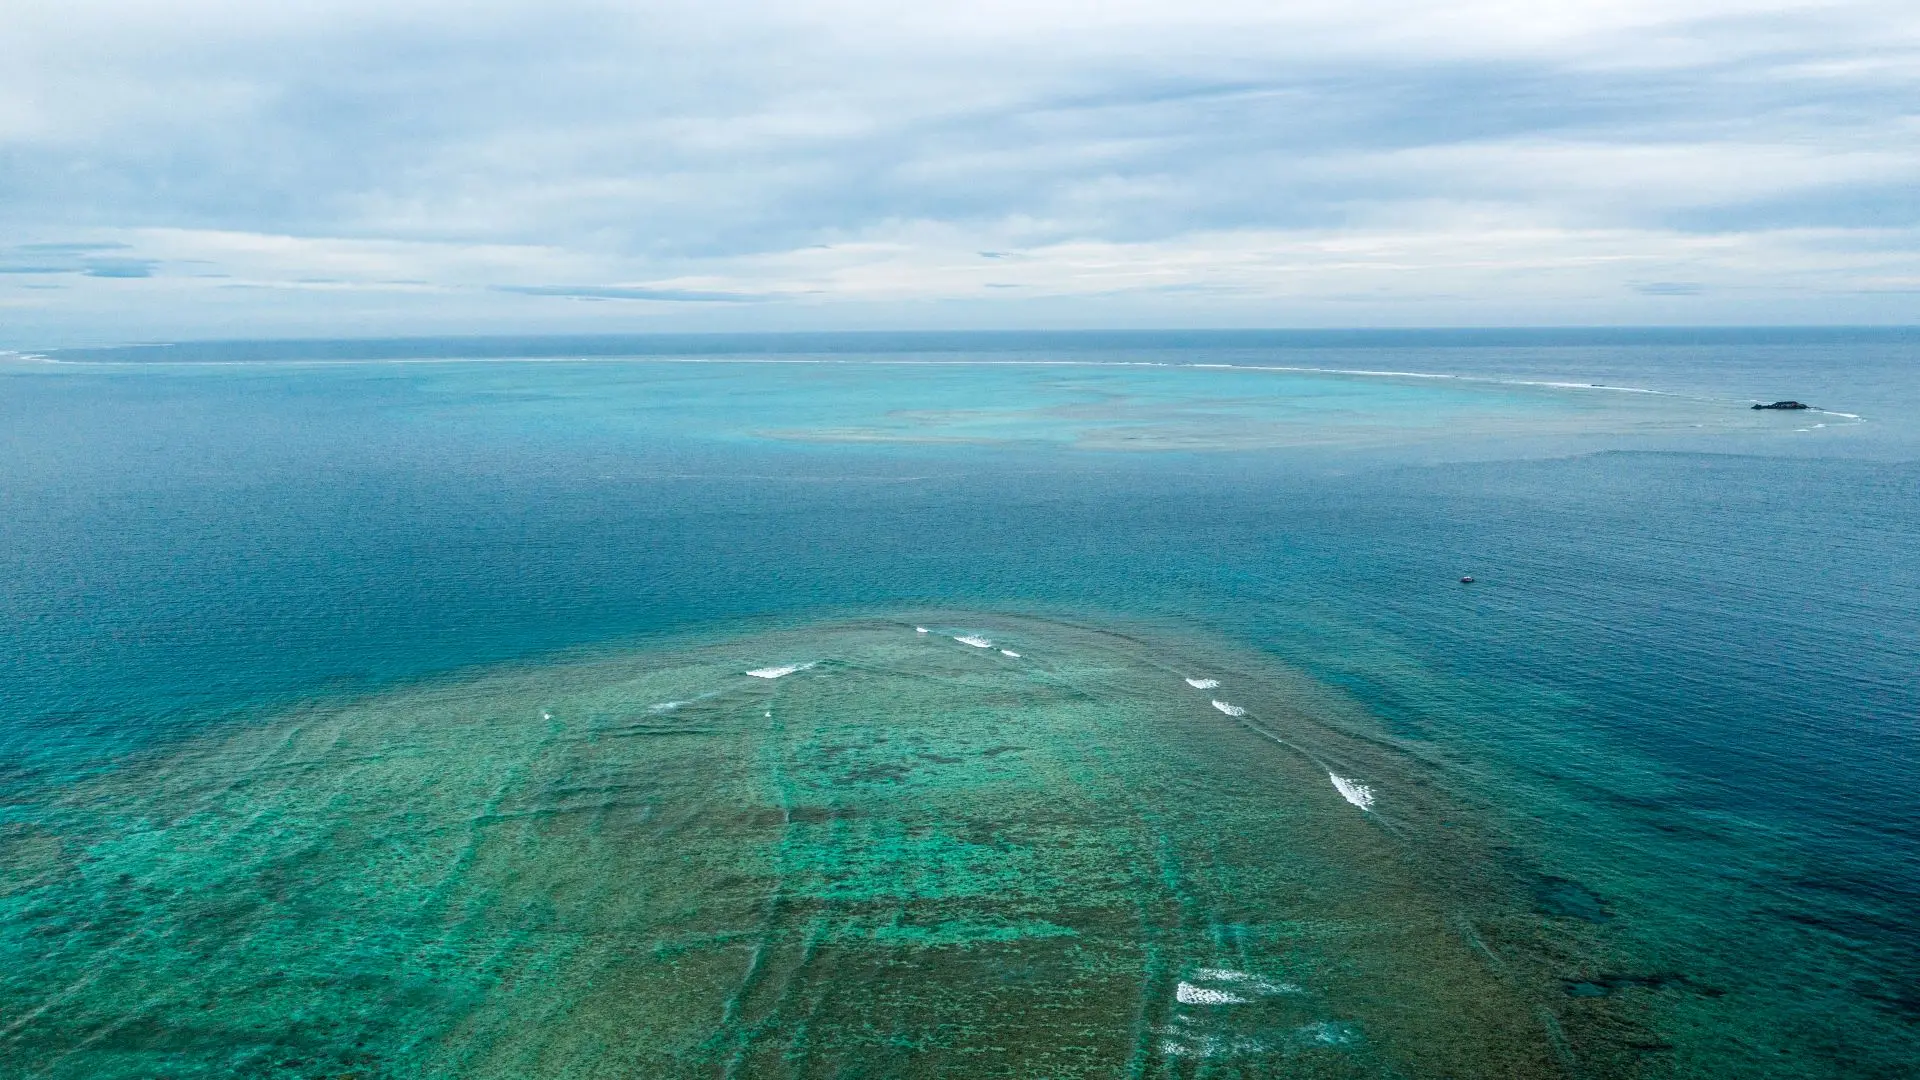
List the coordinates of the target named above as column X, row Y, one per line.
column 227, row 168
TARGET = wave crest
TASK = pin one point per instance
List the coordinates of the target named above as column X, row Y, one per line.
column 1188, row 994
column 777, row 672
column 1360, row 795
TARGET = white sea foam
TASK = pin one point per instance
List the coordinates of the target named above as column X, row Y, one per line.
column 1330, row 1033
column 1230, row 710
column 1358, row 794
column 1010, row 652
column 919, row 629
column 777, row 672
column 1386, row 374
column 974, row 640
column 1189, row 1044
column 1203, row 684
column 1188, row 994
column 545, row 715
column 1245, row 981
column 667, row 706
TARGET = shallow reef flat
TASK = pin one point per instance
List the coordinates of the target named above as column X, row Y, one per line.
column 1226, row 408
column 944, row 844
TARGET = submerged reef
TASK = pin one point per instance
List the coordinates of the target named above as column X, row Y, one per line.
column 851, row 849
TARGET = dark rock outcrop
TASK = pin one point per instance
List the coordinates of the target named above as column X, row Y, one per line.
column 1784, row 405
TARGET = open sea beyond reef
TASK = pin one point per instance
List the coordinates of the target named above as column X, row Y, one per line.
column 1021, row 705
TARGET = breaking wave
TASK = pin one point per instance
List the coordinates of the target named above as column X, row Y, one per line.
column 1246, row 981
column 1358, row 794
column 777, row 672
column 1203, row 684
column 1189, row 994
column 1230, row 710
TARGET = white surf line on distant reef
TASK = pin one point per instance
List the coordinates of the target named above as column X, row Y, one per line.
column 1230, row 710
column 778, row 672
column 1489, row 380
column 974, row 640
column 1360, row 795
column 1203, row 684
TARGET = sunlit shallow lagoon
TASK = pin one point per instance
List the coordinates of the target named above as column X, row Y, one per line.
column 1017, row 708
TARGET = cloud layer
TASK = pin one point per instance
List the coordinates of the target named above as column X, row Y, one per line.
column 208, row 166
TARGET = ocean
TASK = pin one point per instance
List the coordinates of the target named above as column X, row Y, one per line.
column 837, row 705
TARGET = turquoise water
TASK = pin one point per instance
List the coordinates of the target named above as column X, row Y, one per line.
column 1670, row 728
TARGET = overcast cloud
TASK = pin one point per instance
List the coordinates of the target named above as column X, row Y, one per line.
column 214, row 168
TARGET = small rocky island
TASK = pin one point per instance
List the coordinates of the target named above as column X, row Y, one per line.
column 1784, row 405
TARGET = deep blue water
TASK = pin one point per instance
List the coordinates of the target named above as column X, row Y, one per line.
column 1690, row 664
